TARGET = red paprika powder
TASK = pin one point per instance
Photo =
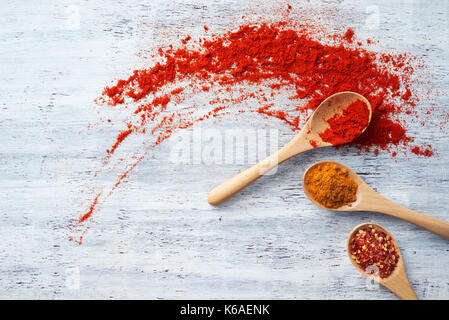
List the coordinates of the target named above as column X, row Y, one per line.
column 373, row 250
column 255, row 54
column 91, row 209
column 256, row 63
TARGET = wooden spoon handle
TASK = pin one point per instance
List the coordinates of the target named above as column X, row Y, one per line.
column 243, row 179
column 402, row 288
column 429, row 223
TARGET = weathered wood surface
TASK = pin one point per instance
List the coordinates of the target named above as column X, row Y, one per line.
column 157, row 238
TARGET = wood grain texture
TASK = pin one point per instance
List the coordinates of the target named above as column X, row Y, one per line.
column 158, row 238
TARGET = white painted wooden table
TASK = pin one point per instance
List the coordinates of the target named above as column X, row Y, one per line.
column 157, row 238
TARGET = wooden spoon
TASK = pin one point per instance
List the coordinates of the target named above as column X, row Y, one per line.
column 370, row 200
column 397, row 281
column 306, row 139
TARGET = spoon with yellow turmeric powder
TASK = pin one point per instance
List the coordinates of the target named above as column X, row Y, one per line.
column 332, row 185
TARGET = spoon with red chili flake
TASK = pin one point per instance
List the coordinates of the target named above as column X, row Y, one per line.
column 375, row 253
column 367, row 199
column 339, row 119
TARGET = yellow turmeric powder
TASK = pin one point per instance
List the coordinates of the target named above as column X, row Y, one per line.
column 330, row 185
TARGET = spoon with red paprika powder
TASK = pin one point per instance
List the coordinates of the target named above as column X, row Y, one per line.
column 333, row 186
column 339, row 119
column 375, row 253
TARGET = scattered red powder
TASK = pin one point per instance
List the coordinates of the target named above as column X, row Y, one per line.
column 176, row 91
column 255, row 54
column 266, row 60
column 186, row 39
column 91, row 209
column 347, row 126
column 373, row 250
column 121, row 136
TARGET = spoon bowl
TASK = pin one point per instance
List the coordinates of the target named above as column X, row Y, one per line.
column 367, row 199
column 308, row 138
column 397, row 281
column 333, row 105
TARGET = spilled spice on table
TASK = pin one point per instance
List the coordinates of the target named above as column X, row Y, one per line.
column 260, row 54
column 345, row 127
column 245, row 69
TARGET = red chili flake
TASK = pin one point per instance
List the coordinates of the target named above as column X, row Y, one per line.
column 372, row 249
column 121, row 136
